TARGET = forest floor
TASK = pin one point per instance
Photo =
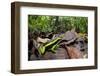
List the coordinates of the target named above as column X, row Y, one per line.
column 68, row 45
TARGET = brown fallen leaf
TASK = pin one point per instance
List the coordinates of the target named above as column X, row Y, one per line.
column 74, row 53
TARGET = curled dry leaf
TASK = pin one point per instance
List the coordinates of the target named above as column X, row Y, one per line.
column 41, row 40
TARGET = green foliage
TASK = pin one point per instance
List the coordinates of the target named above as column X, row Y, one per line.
column 40, row 23
column 69, row 22
column 57, row 24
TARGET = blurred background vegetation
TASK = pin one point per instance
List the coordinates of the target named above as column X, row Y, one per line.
column 56, row 24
